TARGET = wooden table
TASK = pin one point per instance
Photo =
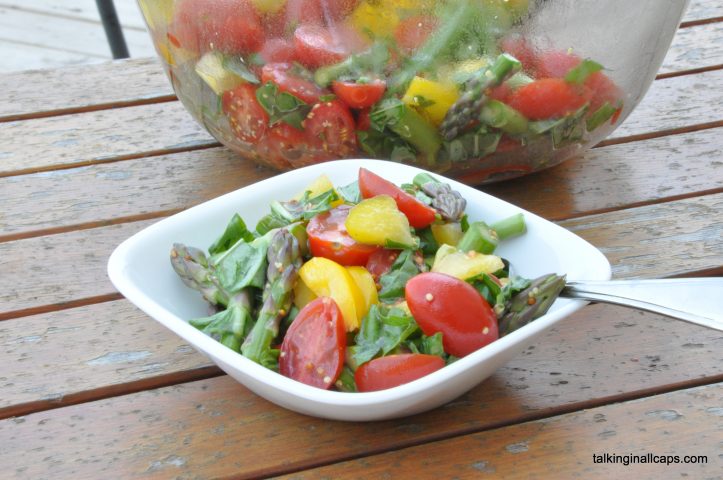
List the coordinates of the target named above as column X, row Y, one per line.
column 93, row 388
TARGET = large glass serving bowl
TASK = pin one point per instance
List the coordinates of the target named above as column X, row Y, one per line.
column 482, row 90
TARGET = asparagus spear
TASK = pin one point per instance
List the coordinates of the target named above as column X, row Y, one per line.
column 469, row 105
column 192, row 266
column 449, row 203
column 284, row 258
column 531, row 303
column 231, row 325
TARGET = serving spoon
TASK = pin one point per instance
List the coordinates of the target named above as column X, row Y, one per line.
column 694, row 300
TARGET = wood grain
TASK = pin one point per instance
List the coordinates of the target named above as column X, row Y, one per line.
column 620, row 176
column 90, row 352
column 679, row 423
column 702, row 11
column 696, row 47
column 217, row 428
column 128, row 12
column 98, row 136
column 109, row 84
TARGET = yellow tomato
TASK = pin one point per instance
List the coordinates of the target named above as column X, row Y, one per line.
column 302, row 294
column 365, row 282
column 378, row 221
column 447, row 233
column 326, row 278
column 431, row 99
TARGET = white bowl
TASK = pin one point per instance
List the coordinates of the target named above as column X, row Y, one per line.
column 141, row 270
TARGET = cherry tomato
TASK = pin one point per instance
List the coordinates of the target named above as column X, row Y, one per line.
column 442, row 303
column 316, row 46
column 277, row 50
column 556, row 64
column 521, row 49
column 380, row 262
column 502, row 93
column 328, row 238
column 359, row 95
column 418, row 214
column 393, row 370
column 247, row 117
column 313, row 348
column 363, row 120
column 318, row 11
column 600, row 89
column 230, row 26
column 331, row 125
column 413, row 31
column 286, row 146
column 284, row 76
column 547, row 98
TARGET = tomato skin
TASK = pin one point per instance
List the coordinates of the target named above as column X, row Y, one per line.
column 247, row 117
column 328, row 238
column 556, row 64
column 282, row 74
column 286, row 147
column 364, row 120
column 393, row 370
column 521, row 49
column 314, row 346
column 547, row 98
column 315, row 11
column 316, row 46
column 331, row 125
column 231, row 26
column 412, row 32
column 442, row 303
column 277, row 50
column 359, row 95
column 418, row 214
column 380, row 262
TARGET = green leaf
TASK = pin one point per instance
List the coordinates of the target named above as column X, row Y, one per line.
column 243, row 265
column 382, row 330
column 282, row 106
column 235, row 230
column 427, row 243
column 270, row 222
column 350, row 193
column 228, row 326
column 431, row 345
column 237, row 66
column 577, row 75
column 600, row 116
column 393, row 282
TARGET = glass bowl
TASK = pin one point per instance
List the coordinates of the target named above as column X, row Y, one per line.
column 480, row 90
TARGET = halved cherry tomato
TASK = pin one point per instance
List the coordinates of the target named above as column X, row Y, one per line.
column 418, row 214
column 413, row 31
column 313, row 348
column 331, row 125
column 380, row 262
column 247, row 117
column 547, row 98
column 393, row 370
column 442, row 303
column 316, row 46
column 359, row 95
column 277, row 50
column 288, row 147
column 284, row 76
column 328, row 238
column 230, row 26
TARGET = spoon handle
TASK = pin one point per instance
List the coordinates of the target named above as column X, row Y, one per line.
column 694, row 300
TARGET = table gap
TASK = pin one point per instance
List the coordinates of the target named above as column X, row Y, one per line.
column 703, row 21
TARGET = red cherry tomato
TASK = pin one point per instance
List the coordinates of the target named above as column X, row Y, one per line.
column 277, row 50
column 328, row 238
column 331, row 125
column 418, row 214
column 556, row 64
column 287, row 147
column 442, row 303
column 413, row 31
column 318, row 11
column 247, row 117
column 316, row 46
column 547, row 98
column 359, row 95
column 284, row 76
column 600, row 89
column 387, row 372
column 363, row 120
column 230, row 26
column 380, row 262
column 521, row 49
column 313, row 348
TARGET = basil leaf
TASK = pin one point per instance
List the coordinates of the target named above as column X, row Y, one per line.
column 350, row 193
column 393, row 282
column 235, row 230
column 577, row 75
column 382, row 330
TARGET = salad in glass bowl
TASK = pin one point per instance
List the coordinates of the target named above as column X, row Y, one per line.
column 479, row 89
column 365, row 286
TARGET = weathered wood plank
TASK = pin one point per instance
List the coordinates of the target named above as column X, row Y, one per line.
column 17, row 56
column 221, row 429
column 701, row 10
column 99, row 136
column 123, row 82
column 129, row 14
column 618, row 176
column 694, row 48
column 59, row 358
column 676, row 424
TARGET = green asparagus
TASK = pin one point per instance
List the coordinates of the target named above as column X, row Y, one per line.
column 469, row 105
column 284, row 261
column 449, row 203
column 531, row 303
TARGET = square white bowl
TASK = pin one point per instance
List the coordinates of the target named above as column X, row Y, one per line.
column 141, row 270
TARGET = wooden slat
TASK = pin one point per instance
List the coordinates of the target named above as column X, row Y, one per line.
column 604, row 179
column 129, row 14
column 679, row 423
column 697, row 47
column 618, row 176
column 17, row 56
column 703, row 10
column 221, row 429
column 99, row 136
column 88, row 353
column 124, row 82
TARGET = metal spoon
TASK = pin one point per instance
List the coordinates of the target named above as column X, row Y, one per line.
column 694, row 300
